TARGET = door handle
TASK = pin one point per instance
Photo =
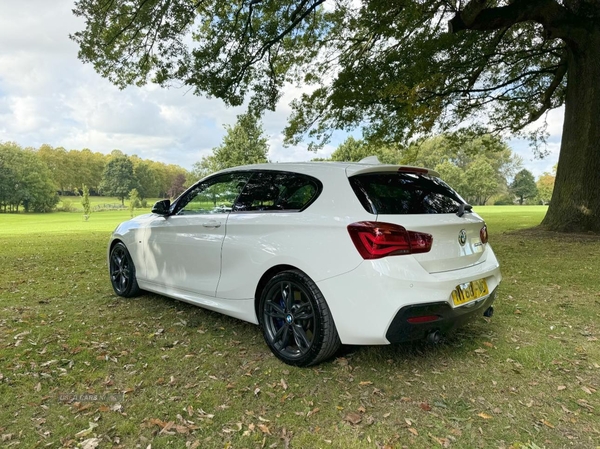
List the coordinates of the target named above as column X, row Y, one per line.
column 211, row 224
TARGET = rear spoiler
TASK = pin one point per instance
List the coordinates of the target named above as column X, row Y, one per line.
column 361, row 169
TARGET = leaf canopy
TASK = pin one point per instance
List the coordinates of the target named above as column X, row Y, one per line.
column 391, row 67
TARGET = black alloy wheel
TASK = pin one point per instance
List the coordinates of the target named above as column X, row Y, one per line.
column 296, row 321
column 122, row 272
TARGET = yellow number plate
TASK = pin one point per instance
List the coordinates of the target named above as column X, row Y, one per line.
column 469, row 291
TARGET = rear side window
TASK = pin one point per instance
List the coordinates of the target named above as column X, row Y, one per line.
column 277, row 191
column 405, row 193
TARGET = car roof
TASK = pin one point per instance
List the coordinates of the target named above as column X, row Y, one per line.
column 350, row 168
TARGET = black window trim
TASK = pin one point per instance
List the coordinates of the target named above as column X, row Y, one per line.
column 252, row 172
column 173, row 209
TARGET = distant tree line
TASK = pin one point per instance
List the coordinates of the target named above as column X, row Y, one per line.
column 32, row 179
column 479, row 167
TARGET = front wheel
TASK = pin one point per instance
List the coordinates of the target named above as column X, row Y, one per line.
column 122, row 272
column 296, row 321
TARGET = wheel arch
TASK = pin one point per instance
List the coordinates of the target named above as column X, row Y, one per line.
column 273, row 271
column 113, row 243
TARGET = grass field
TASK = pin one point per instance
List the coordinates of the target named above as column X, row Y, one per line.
column 180, row 376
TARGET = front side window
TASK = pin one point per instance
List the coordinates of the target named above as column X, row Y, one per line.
column 213, row 196
column 278, row 191
column 405, row 193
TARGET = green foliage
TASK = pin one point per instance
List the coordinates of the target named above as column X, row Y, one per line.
column 118, row 178
column 545, row 187
column 147, row 182
column 243, row 144
column 392, row 66
column 476, row 165
column 505, row 200
column 66, row 205
column 71, row 169
column 353, row 150
column 523, row 186
column 85, row 202
column 134, row 201
column 25, row 181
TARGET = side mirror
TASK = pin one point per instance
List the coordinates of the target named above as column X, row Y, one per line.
column 161, row 207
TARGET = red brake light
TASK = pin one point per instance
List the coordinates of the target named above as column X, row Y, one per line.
column 375, row 240
column 483, row 234
column 406, row 169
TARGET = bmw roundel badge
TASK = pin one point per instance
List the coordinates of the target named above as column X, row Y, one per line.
column 462, row 237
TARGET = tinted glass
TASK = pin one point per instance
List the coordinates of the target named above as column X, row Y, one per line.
column 277, row 191
column 405, row 193
column 216, row 195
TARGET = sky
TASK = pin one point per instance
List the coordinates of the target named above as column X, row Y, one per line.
column 47, row 95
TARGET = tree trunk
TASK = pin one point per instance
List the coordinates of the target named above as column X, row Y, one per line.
column 575, row 204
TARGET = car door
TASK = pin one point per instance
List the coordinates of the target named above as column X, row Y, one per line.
column 266, row 228
column 184, row 247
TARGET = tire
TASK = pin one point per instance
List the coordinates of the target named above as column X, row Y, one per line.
column 296, row 322
column 122, row 272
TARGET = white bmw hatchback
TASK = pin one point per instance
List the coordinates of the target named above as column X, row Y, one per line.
column 318, row 254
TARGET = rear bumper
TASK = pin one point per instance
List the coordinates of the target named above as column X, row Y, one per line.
column 371, row 303
column 401, row 330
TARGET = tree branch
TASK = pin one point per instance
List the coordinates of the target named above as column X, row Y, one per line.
column 559, row 74
column 475, row 16
column 260, row 53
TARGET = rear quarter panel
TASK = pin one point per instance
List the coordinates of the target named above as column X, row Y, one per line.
column 315, row 240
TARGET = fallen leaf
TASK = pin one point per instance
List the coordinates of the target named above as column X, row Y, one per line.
column 561, row 387
column 413, row 431
column 284, row 385
column 586, row 389
column 364, row 383
column 425, row 406
column 444, row 442
column 181, row 429
column 167, row 427
column 86, row 432
column 547, row 424
column 264, row 429
column 484, row 415
column 353, row 418
column 313, row 411
column 488, row 344
column 90, row 443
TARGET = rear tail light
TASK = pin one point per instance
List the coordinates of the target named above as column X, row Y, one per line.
column 375, row 240
column 483, row 235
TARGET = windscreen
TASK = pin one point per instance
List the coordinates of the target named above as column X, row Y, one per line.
column 405, row 193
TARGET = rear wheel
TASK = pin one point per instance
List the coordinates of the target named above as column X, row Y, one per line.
column 296, row 321
column 122, row 272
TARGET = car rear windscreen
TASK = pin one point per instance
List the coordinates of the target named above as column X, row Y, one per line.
column 405, row 193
